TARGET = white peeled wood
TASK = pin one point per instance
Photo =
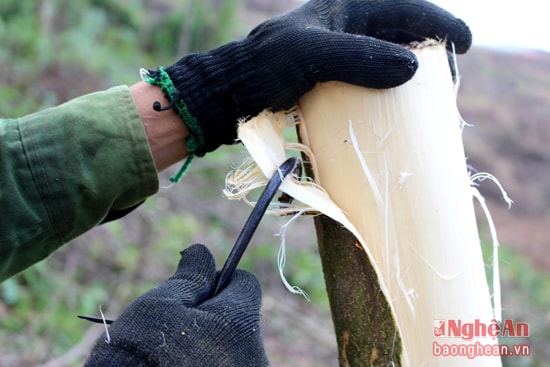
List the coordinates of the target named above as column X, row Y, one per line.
column 416, row 211
column 393, row 165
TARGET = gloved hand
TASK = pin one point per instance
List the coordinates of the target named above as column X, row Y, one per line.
column 286, row 56
column 178, row 324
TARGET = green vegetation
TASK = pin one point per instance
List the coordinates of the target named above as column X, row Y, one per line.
column 53, row 50
column 525, row 298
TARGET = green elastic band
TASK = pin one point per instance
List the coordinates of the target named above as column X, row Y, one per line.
column 195, row 142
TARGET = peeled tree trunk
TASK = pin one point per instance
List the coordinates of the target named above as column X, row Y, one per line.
column 390, row 168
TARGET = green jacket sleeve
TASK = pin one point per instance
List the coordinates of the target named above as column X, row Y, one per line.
column 66, row 169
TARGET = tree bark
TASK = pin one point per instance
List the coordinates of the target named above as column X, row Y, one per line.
column 364, row 326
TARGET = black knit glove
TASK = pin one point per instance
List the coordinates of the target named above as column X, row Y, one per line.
column 178, row 324
column 286, row 56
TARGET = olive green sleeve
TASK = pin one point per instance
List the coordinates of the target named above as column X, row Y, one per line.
column 66, row 169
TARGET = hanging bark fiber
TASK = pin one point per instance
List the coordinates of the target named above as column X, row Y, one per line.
column 391, row 169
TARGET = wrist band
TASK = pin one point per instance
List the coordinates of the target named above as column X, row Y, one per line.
column 195, row 141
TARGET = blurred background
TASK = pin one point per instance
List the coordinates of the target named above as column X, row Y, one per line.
column 55, row 50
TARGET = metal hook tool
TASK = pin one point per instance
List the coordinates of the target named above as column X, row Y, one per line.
column 250, row 226
column 253, row 221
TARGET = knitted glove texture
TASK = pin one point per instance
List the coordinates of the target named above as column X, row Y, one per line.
column 353, row 41
column 178, row 324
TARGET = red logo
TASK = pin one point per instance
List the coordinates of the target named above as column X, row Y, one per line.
column 439, row 328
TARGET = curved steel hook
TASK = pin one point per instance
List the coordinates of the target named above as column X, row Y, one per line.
column 253, row 221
